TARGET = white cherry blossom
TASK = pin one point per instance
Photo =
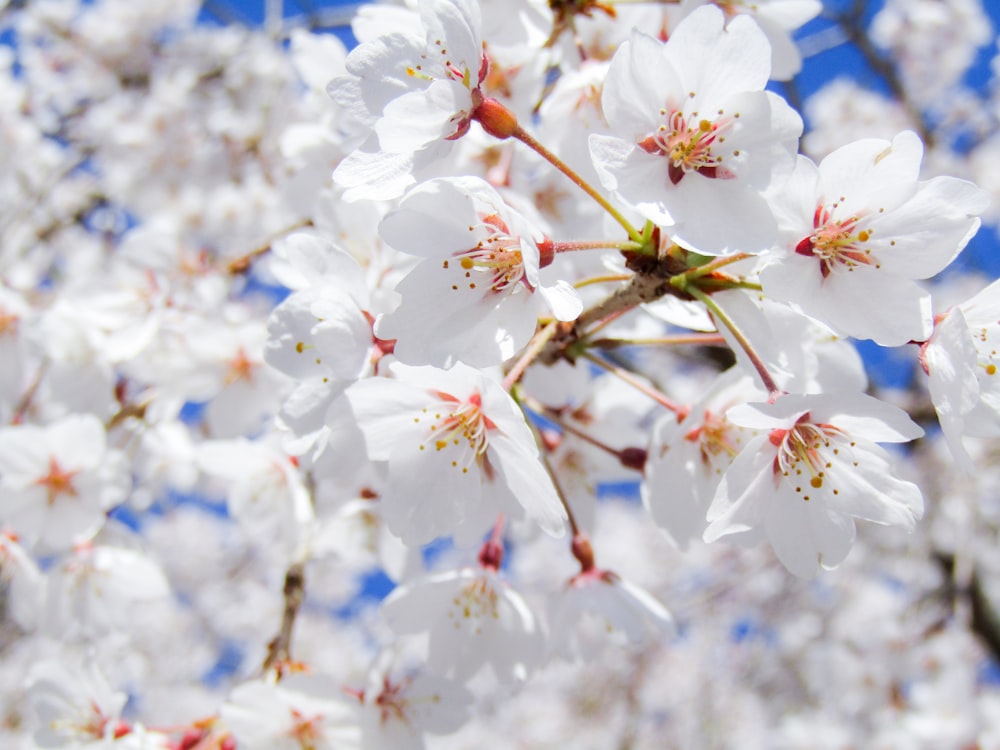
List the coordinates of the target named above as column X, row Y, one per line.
column 695, row 146
column 57, row 482
column 778, row 19
column 961, row 360
column 698, row 447
column 599, row 607
column 477, row 296
column 803, row 483
column 75, row 706
column 300, row 712
column 95, row 591
column 473, row 619
column 398, row 709
column 417, row 89
column 459, row 452
column 861, row 229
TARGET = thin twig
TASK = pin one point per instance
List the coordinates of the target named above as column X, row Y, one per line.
column 279, row 650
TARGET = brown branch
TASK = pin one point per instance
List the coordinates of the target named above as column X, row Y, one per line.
column 985, row 620
column 650, row 283
column 242, row 263
column 279, row 650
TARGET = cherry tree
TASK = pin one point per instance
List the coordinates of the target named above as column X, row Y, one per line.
column 526, row 373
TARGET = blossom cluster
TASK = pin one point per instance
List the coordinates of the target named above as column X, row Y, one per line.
column 317, row 361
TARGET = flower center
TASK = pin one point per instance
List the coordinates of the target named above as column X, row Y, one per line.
column 716, row 441
column 307, row 731
column 496, row 261
column 57, row 482
column 690, row 144
column 837, row 243
column 807, row 446
column 473, row 604
column 458, row 426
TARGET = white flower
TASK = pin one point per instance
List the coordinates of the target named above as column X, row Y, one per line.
column 802, row 484
column 459, row 452
column 597, row 607
column 861, row 229
column 474, row 297
column 697, row 143
column 961, row 360
column 398, row 710
column 266, row 494
column 301, row 712
column 473, row 619
column 23, row 581
column 687, row 457
column 75, row 706
column 56, row 482
column 96, row 590
column 418, row 89
column 778, row 19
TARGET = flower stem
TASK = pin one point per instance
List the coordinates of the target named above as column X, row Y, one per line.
column 537, row 343
column 635, row 382
column 626, row 457
column 528, row 140
column 697, row 339
column 720, row 315
column 568, row 247
column 603, row 279
column 279, row 649
column 715, row 265
column 573, row 527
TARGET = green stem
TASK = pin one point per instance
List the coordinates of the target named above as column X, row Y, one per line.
column 715, row 265
column 720, row 315
column 528, row 140
column 603, row 279
column 568, row 247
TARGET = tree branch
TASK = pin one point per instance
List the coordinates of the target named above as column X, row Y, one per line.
column 280, row 648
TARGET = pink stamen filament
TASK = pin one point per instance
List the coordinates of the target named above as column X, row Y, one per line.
column 803, row 443
column 836, row 243
column 688, row 146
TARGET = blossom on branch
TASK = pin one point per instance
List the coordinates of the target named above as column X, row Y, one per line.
column 817, row 468
column 473, row 299
column 459, row 452
column 696, row 145
column 417, row 90
column 860, row 230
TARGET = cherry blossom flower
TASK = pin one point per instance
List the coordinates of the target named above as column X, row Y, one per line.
column 698, row 447
column 459, row 452
column 777, row 19
column 473, row 619
column 75, row 705
column 266, row 494
column 301, row 712
column 598, row 607
column 57, row 482
column 96, row 590
column 473, row 299
column 23, row 581
column 861, row 229
column 961, row 360
column 398, row 709
column 417, row 89
column 695, row 146
column 817, row 468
